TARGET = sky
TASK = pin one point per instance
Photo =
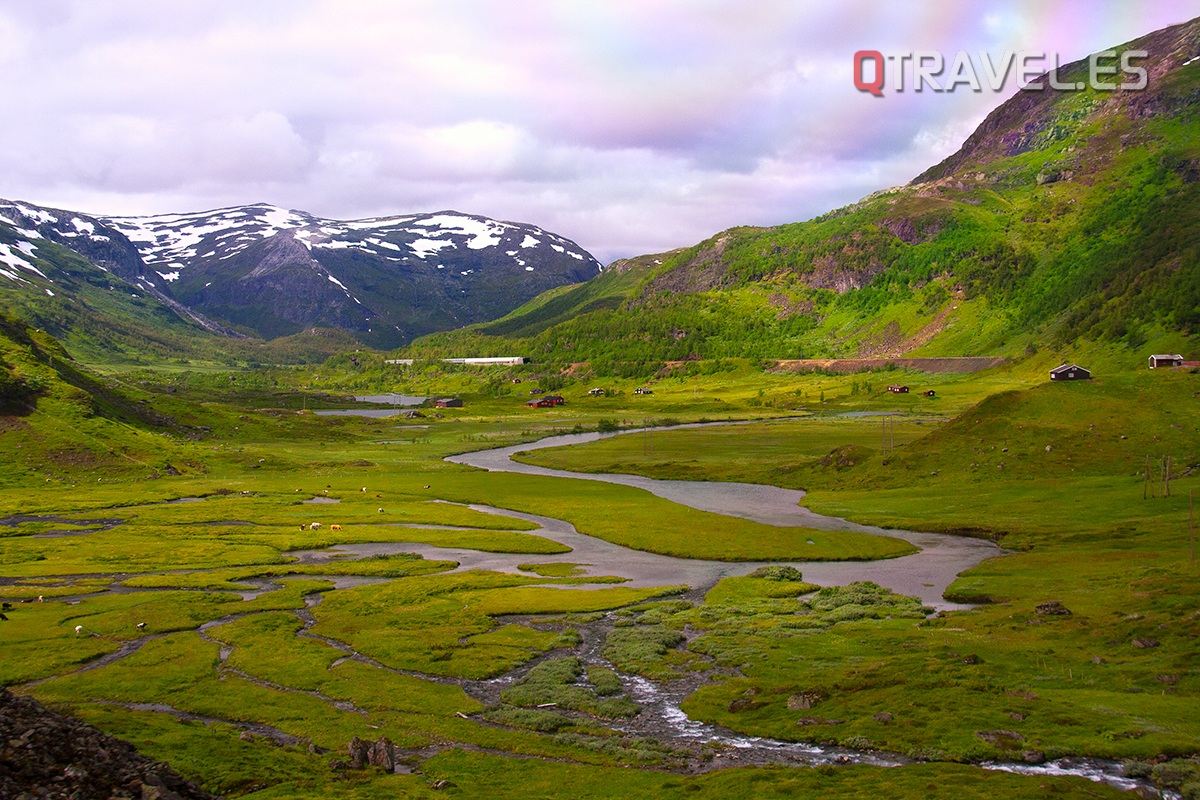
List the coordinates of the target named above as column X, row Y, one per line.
column 630, row 126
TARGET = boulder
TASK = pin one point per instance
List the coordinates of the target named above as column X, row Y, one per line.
column 1000, row 738
column 883, row 717
column 1144, row 642
column 1052, row 608
column 802, row 701
column 380, row 753
column 1033, row 756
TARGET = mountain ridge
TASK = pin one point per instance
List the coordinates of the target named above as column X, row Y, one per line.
column 261, row 270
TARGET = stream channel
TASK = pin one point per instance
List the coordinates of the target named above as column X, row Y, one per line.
column 925, row 575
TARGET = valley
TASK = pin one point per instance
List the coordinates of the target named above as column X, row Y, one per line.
column 796, row 510
column 447, row 590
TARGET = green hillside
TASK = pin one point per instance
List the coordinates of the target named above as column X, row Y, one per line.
column 1066, row 216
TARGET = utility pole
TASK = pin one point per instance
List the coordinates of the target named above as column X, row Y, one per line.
column 1191, row 529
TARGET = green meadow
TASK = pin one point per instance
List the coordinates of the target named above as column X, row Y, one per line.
column 258, row 662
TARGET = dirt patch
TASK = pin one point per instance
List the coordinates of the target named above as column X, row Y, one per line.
column 10, row 423
column 954, row 364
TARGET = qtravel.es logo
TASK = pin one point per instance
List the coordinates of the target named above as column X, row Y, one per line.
column 875, row 72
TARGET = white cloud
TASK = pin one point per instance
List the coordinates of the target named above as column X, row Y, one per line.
column 628, row 126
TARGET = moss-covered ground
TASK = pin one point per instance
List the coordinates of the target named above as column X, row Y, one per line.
column 239, row 634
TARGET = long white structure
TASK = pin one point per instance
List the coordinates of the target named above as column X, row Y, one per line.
column 503, row 361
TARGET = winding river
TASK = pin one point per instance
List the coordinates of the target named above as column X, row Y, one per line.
column 925, row 574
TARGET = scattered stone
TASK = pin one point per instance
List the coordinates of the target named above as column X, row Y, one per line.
column 1099, row 660
column 1144, row 642
column 1017, row 715
column 883, row 717
column 1133, row 617
column 1052, row 608
column 802, row 701
column 1050, row 447
column 1000, row 738
column 814, row 721
column 380, row 753
column 1033, row 756
column 48, row 754
column 972, row 659
column 1169, row 680
column 742, row 704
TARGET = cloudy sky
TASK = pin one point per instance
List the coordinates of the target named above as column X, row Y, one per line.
column 631, row 126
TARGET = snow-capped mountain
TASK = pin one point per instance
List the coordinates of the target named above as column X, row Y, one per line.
column 273, row 272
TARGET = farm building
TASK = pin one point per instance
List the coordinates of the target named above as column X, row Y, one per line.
column 1070, row 372
column 596, row 392
column 545, row 402
column 643, row 390
column 1175, row 360
column 555, row 399
column 448, row 402
column 896, row 388
column 931, row 393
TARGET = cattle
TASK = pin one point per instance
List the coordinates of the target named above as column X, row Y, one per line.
column 314, row 526
column 3, row 618
column 335, row 527
column 8, row 606
column 141, row 626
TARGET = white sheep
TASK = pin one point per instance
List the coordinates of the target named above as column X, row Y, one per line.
column 78, row 629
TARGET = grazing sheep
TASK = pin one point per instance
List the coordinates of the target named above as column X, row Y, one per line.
column 335, row 527
column 427, row 486
column 378, row 495
column 363, row 489
column 381, row 511
column 40, row 599
column 301, row 526
column 314, row 526
column 78, row 629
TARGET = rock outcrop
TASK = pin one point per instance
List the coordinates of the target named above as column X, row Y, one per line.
column 45, row 754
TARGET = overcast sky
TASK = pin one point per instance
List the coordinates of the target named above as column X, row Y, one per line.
column 629, row 126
